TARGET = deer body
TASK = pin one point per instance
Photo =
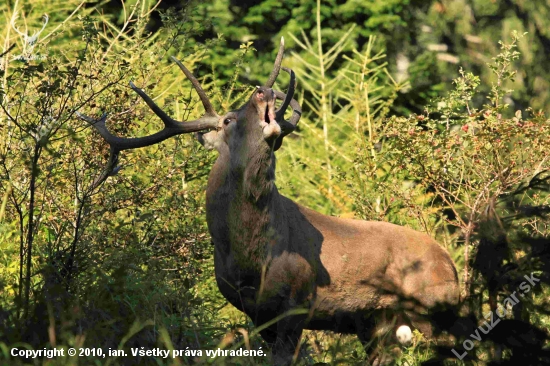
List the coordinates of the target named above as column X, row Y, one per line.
column 273, row 255
column 342, row 264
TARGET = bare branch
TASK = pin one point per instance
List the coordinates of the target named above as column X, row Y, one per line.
column 8, row 50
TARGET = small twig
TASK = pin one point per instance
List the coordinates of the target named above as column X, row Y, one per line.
column 8, row 50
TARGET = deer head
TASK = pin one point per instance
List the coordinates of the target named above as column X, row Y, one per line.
column 258, row 117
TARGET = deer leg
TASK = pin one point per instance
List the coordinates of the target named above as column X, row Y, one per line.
column 289, row 332
column 370, row 345
column 376, row 332
column 282, row 337
column 375, row 348
column 366, row 334
column 269, row 334
column 288, row 284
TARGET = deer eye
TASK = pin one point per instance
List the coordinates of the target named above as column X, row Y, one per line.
column 227, row 121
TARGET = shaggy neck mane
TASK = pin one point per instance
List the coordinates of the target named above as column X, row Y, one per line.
column 252, row 192
column 252, row 172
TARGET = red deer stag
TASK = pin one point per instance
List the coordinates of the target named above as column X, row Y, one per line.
column 273, row 255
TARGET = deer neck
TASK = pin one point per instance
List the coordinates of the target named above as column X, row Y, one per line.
column 252, row 169
column 217, row 195
column 241, row 198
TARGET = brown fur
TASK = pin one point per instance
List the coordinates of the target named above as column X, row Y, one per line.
column 273, row 255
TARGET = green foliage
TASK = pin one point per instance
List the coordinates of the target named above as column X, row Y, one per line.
column 479, row 166
column 468, row 156
column 89, row 260
column 424, row 41
column 128, row 263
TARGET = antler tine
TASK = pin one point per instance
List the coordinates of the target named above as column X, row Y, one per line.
column 171, row 127
column 204, row 98
column 110, row 168
column 287, row 126
column 100, row 126
column 296, row 112
column 280, row 113
column 290, row 125
column 289, row 100
column 277, row 65
column 169, row 122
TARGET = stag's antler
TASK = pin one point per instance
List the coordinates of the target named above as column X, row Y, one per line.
column 277, row 65
column 171, row 127
column 288, row 98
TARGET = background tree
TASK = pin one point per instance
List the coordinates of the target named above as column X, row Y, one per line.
column 403, row 121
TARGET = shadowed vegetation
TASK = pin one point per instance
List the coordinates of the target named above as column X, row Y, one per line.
column 440, row 128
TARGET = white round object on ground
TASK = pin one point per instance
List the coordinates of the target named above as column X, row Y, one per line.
column 404, row 334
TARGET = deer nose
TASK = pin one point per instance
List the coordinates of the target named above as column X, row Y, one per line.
column 264, row 94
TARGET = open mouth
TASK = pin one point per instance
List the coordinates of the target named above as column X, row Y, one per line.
column 266, row 115
column 264, row 102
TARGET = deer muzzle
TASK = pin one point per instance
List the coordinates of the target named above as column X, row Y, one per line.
column 264, row 100
column 265, row 104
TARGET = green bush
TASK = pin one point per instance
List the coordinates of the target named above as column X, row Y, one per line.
column 124, row 260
